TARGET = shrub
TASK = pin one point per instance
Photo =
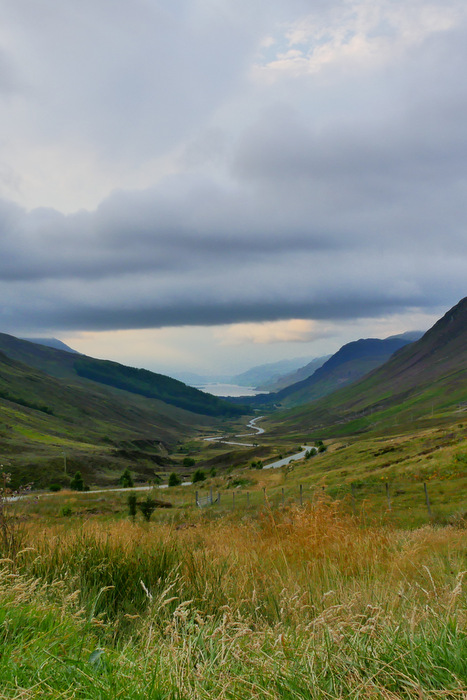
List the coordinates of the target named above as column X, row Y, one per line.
column 55, row 487
column 77, row 483
column 147, row 508
column 198, row 475
column 322, row 448
column 66, row 511
column 189, row 462
column 126, row 479
column 174, row 480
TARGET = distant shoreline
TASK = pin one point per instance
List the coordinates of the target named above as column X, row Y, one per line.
column 219, row 389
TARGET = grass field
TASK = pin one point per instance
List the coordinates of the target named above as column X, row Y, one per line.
column 276, row 603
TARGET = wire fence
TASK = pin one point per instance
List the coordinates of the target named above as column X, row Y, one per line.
column 388, row 496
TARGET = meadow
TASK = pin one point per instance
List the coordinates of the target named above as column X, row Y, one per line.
column 289, row 602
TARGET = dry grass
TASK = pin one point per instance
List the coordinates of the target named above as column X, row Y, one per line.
column 298, row 603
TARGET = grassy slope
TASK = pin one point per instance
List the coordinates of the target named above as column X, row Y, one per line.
column 81, row 369
column 100, row 430
column 423, row 379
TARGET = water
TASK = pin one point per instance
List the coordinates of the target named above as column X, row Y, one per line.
column 218, row 389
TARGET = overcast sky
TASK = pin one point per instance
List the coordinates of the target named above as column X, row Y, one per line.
column 210, row 185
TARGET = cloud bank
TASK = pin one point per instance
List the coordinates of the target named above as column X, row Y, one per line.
column 206, row 166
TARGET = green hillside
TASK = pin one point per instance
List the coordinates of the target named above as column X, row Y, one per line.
column 46, row 421
column 81, row 368
column 422, row 382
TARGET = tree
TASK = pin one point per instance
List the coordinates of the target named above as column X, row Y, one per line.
column 147, row 508
column 132, row 503
column 188, row 462
column 77, row 482
column 174, row 480
column 126, row 479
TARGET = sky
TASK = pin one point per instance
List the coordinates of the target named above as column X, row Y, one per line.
column 210, row 185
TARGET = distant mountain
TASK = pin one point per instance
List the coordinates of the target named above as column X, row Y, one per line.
column 259, row 375
column 51, row 343
column 348, row 364
column 423, row 377
column 296, row 376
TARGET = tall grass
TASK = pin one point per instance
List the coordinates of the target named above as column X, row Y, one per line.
column 301, row 603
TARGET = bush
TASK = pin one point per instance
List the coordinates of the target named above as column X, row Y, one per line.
column 174, row 480
column 256, row 464
column 189, row 462
column 126, row 479
column 322, row 448
column 77, row 483
column 198, row 475
column 66, row 511
column 147, row 508
column 55, row 487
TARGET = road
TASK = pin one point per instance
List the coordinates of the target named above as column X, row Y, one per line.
column 252, row 424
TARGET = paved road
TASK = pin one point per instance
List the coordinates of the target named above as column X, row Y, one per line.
column 274, row 465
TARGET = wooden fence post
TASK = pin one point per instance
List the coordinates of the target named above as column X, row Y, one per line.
column 218, row 497
column 196, row 497
column 427, row 501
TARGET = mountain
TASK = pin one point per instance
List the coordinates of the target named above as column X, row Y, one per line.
column 296, row 376
column 348, row 364
column 261, row 374
column 51, row 343
column 423, row 379
column 79, row 368
column 98, row 416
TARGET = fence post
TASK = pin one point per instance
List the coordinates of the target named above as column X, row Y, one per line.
column 218, row 497
column 282, row 495
column 210, row 494
column 388, row 496
column 427, row 500
column 196, row 497
column 301, row 494
column 264, row 493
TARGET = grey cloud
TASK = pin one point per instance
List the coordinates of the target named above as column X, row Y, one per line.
column 355, row 214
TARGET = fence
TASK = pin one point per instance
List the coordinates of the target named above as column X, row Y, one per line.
column 388, row 496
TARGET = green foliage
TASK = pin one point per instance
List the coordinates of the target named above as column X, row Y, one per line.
column 147, row 508
column 66, row 511
column 256, row 464
column 188, row 462
column 198, row 475
column 132, row 504
column 126, row 479
column 77, row 482
column 25, row 402
column 322, row 448
column 174, row 479
column 55, row 487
